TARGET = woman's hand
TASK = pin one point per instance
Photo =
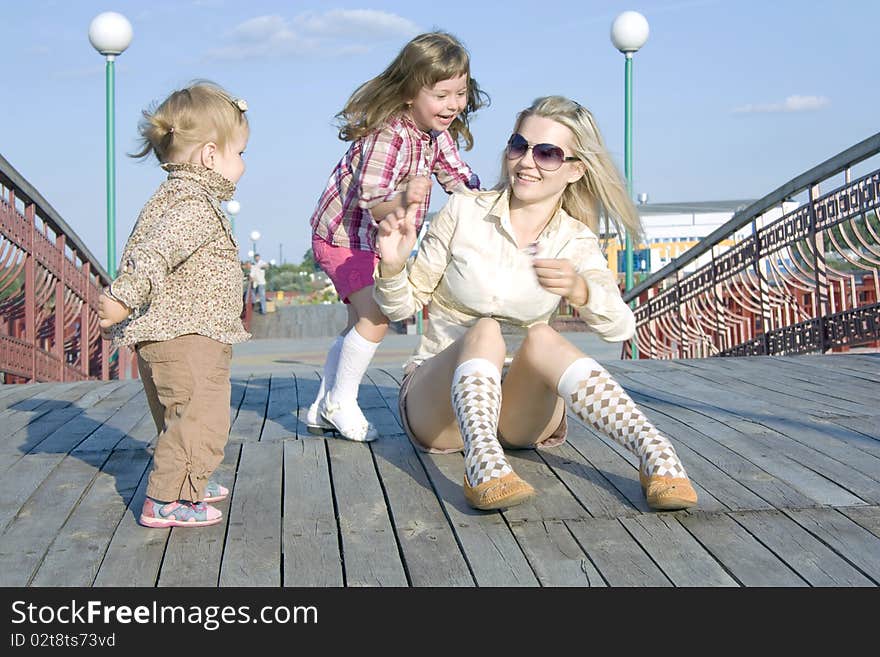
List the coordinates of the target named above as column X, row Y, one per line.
column 110, row 312
column 558, row 276
column 396, row 239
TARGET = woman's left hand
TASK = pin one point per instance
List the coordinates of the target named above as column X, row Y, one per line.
column 558, row 276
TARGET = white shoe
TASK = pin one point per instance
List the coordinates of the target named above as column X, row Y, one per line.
column 348, row 420
column 315, row 424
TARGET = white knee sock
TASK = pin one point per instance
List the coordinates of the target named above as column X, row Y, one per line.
column 354, row 359
column 476, row 399
column 591, row 393
column 330, row 365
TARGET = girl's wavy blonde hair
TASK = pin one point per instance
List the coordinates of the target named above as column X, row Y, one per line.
column 601, row 192
column 188, row 118
column 423, row 62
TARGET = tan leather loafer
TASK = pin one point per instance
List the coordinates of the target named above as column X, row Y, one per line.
column 668, row 493
column 500, row 493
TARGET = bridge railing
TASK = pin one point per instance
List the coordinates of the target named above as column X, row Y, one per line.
column 49, row 288
column 801, row 274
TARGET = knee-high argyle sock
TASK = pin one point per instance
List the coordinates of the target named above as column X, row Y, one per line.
column 591, row 393
column 476, row 399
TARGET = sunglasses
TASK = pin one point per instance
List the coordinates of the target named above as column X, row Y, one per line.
column 547, row 156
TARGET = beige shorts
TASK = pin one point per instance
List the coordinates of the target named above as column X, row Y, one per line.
column 554, row 439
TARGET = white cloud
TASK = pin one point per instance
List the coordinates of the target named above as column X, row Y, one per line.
column 790, row 104
column 335, row 32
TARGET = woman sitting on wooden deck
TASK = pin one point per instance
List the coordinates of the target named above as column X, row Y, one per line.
column 506, row 257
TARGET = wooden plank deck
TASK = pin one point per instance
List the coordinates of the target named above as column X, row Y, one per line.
column 784, row 451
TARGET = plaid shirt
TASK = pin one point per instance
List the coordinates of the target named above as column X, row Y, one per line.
column 375, row 169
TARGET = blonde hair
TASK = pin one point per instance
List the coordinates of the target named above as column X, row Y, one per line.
column 601, row 192
column 423, row 62
column 188, row 118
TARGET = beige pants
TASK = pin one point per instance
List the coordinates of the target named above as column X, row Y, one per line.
column 188, row 388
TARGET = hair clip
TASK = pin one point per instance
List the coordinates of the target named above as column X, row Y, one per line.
column 241, row 104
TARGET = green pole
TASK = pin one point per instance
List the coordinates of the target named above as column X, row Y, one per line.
column 111, row 170
column 629, row 183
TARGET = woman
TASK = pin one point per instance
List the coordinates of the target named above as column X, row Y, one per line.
column 505, row 257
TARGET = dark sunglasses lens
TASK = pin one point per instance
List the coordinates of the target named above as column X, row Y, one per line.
column 548, row 156
column 517, row 146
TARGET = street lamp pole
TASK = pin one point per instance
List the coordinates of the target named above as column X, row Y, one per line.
column 233, row 207
column 110, row 34
column 629, row 32
column 255, row 235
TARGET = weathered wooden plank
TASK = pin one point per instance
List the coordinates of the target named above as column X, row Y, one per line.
column 716, row 468
column 48, row 400
column 867, row 426
column 281, row 411
column 135, row 552
column 307, row 383
column 830, row 383
column 586, row 483
column 839, row 443
column 765, row 381
column 773, row 461
column 178, row 566
column 843, row 364
column 553, row 500
column 608, row 462
column 554, row 554
column 845, row 475
column 22, row 478
column 7, row 389
column 27, row 537
column 811, row 559
column 615, row 553
column 77, row 551
column 492, row 553
column 855, row 543
column 248, row 424
column 18, row 393
column 866, row 516
column 116, row 428
column 742, row 556
column 252, row 553
column 693, row 462
column 29, row 437
column 431, row 554
column 718, row 443
column 309, row 532
column 369, row 547
column 681, row 558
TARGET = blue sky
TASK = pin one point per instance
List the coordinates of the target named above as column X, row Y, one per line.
column 732, row 98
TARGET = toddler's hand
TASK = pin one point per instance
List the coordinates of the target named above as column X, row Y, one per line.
column 110, row 312
column 417, row 190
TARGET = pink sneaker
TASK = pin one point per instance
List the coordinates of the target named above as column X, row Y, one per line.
column 214, row 492
column 181, row 513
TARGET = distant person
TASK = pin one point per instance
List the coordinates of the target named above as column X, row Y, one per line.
column 178, row 299
column 258, row 281
column 505, row 258
column 404, row 126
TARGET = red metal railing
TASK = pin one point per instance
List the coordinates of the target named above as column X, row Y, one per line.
column 49, row 287
column 803, row 274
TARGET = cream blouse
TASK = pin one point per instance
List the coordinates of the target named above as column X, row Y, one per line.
column 469, row 266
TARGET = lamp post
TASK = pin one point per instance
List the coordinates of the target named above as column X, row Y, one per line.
column 255, row 236
column 110, row 34
column 233, row 207
column 629, row 32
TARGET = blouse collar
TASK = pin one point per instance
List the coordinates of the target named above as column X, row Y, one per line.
column 211, row 181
